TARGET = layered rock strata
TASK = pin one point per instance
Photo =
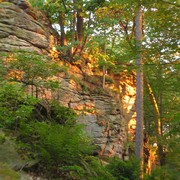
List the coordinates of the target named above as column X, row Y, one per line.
column 22, row 28
column 108, row 114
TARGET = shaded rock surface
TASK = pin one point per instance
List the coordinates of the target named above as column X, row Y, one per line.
column 10, row 160
column 9, row 155
column 22, row 28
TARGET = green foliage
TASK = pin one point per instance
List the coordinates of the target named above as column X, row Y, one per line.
column 96, row 170
column 90, row 168
column 8, row 173
column 163, row 172
column 61, row 145
column 124, row 170
column 31, row 69
column 37, row 4
column 74, row 171
column 173, row 151
column 62, row 114
column 58, row 143
column 62, row 149
column 15, row 105
column 2, row 138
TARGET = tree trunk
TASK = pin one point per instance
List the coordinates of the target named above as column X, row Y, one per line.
column 73, row 34
column 85, row 39
column 73, row 31
column 104, row 66
column 80, row 29
column 63, row 35
column 139, row 146
column 104, row 76
column 157, row 122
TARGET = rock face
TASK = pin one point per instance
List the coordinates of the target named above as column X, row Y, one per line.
column 107, row 112
column 21, row 28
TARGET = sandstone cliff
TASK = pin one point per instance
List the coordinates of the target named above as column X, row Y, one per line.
column 106, row 113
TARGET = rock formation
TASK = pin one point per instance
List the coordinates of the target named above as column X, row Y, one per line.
column 105, row 113
column 22, row 28
column 108, row 114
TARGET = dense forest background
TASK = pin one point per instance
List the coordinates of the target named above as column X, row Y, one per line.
column 107, row 35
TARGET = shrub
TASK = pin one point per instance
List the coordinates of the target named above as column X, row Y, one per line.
column 96, row 170
column 15, row 105
column 55, row 146
column 61, row 114
column 163, row 172
column 124, row 170
column 61, row 144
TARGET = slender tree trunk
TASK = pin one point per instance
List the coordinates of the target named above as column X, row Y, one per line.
column 104, row 76
column 139, row 91
column 157, row 122
column 36, row 92
column 104, row 66
column 73, row 30
column 80, row 29
column 155, row 108
column 63, row 35
column 161, row 108
column 160, row 95
column 85, row 39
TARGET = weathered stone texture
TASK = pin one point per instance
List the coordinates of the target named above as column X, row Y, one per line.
column 21, row 28
column 105, row 115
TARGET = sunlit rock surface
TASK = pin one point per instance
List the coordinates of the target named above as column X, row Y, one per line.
column 106, row 113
